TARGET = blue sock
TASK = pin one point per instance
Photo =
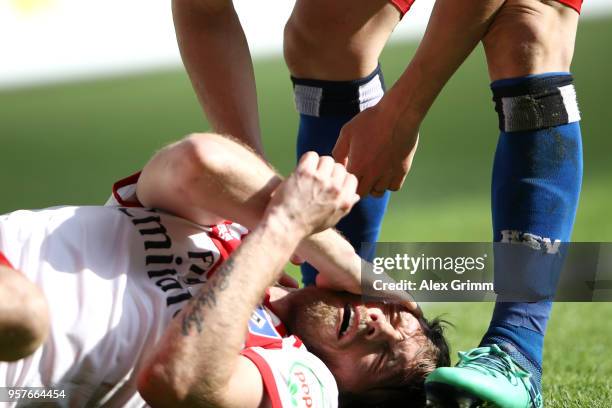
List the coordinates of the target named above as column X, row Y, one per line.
column 537, row 176
column 324, row 107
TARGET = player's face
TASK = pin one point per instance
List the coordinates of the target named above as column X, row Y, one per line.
column 360, row 343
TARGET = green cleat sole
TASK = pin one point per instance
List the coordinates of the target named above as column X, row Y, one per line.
column 440, row 395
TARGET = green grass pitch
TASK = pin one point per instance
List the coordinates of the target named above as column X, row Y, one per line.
column 67, row 143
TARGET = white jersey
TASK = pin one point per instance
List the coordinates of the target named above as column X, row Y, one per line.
column 114, row 277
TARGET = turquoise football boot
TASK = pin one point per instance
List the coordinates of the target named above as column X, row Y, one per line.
column 483, row 377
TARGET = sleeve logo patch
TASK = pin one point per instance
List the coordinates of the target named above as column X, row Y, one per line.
column 260, row 325
column 305, row 388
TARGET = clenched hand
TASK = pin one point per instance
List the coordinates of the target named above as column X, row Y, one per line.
column 316, row 195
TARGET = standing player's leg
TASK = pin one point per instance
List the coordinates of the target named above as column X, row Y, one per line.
column 332, row 51
column 536, row 184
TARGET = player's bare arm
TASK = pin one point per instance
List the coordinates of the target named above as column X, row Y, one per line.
column 207, row 178
column 24, row 316
column 396, row 119
column 217, row 59
column 197, row 362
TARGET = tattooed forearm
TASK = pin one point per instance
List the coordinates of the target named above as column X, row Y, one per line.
column 206, row 298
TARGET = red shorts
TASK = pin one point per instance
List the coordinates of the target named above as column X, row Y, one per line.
column 404, row 5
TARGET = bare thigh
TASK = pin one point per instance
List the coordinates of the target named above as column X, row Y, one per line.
column 530, row 37
column 339, row 39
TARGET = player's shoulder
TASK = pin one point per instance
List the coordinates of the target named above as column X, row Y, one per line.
column 44, row 218
column 292, row 374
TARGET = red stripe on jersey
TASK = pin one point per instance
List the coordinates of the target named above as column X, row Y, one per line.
column 225, row 250
column 223, row 255
column 402, row 5
column 298, row 342
column 254, row 340
column 225, row 235
column 266, row 375
column 225, row 242
column 4, row 261
column 133, row 179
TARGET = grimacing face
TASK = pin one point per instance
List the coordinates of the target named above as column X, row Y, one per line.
column 362, row 344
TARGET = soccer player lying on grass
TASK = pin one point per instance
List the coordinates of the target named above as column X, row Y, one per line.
column 166, row 302
column 332, row 50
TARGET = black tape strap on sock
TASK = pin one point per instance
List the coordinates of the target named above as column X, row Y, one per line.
column 332, row 98
column 537, row 103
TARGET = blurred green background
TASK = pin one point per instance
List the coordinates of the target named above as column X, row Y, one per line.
column 67, row 144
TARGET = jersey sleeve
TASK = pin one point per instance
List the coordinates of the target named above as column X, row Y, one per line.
column 293, row 376
column 124, row 192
